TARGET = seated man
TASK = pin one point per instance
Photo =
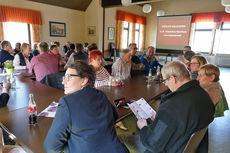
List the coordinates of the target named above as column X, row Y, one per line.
column 187, row 109
column 122, row 67
column 137, row 66
column 44, row 63
column 17, row 48
column 5, row 53
column 35, row 51
column 78, row 55
column 150, row 61
column 4, row 97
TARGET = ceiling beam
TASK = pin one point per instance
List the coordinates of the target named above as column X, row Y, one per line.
column 112, row 3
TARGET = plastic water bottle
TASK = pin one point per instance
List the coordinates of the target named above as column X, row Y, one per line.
column 32, row 110
column 12, row 81
column 158, row 74
column 118, row 76
column 150, row 77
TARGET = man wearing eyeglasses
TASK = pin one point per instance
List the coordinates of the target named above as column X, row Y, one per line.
column 187, row 109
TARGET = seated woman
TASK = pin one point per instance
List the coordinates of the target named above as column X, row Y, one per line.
column 103, row 78
column 84, row 119
column 22, row 59
column 54, row 51
column 208, row 76
column 196, row 62
column 4, row 97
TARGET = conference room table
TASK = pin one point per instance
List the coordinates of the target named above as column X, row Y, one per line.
column 15, row 117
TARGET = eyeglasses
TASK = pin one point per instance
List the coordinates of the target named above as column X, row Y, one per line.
column 194, row 63
column 163, row 81
column 67, row 77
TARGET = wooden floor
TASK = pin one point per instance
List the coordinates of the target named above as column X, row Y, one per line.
column 219, row 129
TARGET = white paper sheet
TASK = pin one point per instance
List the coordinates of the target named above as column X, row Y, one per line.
column 142, row 109
column 50, row 111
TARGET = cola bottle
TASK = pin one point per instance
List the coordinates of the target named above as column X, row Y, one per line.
column 32, row 110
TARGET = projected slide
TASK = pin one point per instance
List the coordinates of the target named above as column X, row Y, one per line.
column 173, row 32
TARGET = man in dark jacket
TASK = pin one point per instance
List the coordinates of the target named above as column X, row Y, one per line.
column 187, row 109
column 5, row 52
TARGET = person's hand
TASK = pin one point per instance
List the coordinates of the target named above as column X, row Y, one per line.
column 153, row 116
column 116, row 83
column 6, row 85
column 141, row 123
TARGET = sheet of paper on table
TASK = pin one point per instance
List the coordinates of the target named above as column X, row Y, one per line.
column 141, row 109
column 50, row 111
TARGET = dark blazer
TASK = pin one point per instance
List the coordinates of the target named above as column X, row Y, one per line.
column 180, row 114
column 5, row 55
column 84, row 123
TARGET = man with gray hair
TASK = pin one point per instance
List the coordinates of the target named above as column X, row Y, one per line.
column 5, row 52
column 150, row 61
column 187, row 109
column 44, row 63
column 122, row 66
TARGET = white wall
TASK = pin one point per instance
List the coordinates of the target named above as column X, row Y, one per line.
column 177, row 7
column 75, row 20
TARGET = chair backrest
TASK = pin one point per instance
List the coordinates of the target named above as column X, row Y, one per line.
column 194, row 141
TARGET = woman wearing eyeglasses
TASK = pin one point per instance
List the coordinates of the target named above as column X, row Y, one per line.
column 196, row 62
column 209, row 80
column 84, row 120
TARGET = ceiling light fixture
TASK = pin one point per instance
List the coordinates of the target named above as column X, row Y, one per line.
column 225, row 2
column 147, row 8
column 126, row 2
column 160, row 13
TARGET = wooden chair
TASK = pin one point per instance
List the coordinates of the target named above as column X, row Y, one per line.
column 194, row 141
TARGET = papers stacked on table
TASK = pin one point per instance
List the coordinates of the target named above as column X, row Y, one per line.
column 50, row 111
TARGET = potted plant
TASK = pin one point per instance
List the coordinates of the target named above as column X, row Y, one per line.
column 8, row 65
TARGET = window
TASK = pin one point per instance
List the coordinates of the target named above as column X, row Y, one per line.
column 203, row 36
column 221, row 43
column 128, row 34
column 125, row 43
column 209, row 39
column 16, row 32
column 137, row 34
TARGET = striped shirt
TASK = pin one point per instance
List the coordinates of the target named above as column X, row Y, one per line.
column 102, row 78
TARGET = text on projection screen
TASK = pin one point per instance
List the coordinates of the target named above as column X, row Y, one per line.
column 173, row 32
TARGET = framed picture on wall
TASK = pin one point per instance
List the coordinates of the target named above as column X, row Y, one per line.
column 111, row 33
column 91, row 30
column 57, row 29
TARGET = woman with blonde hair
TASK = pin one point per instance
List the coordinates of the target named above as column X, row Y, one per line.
column 208, row 76
column 23, row 58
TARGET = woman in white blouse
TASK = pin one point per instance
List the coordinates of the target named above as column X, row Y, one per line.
column 23, row 58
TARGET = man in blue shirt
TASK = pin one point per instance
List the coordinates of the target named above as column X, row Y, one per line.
column 5, row 52
column 150, row 61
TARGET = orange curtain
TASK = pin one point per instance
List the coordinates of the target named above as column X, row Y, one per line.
column 1, row 31
column 13, row 14
column 211, row 17
column 129, row 17
column 119, row 34
column 36, row 33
